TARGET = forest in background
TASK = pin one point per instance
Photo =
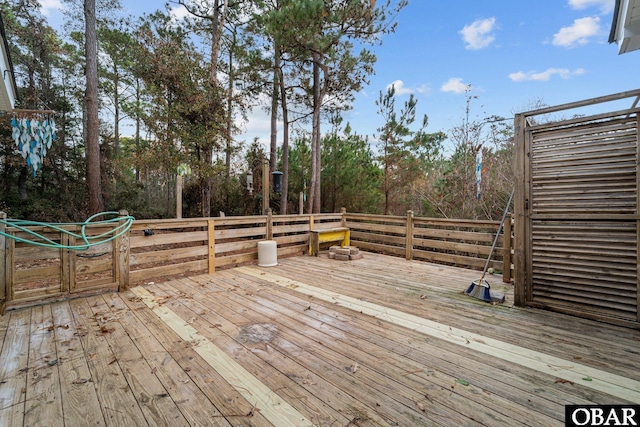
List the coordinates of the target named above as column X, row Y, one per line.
column 183, row 87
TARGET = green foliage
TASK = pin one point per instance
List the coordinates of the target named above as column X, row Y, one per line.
column 406, row 155
column 455, row 194
column 157, row 75
column 350, row 176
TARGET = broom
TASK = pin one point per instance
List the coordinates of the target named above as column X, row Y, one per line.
column 481, row 289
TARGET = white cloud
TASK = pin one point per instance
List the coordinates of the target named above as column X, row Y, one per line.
column 401, row 89
column 178, row 13
column 455, row 85
column 606, row 6
column 423, row 89
column 577, row 34
column 546, row 75
column 48, row 6
column 479, row 34
column 398, row 85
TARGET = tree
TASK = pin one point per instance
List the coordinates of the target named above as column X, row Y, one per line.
column 455, row 189
column 351, row 178
column 322, row 35
column 188, row 114
column 406, row 154
column 92, row 135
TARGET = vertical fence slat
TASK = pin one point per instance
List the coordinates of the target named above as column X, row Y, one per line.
column 65, row 270
column 409, row 236
column 506, row 256
column 71, row 262
column 3, row 266
column 211, row 234
column 520, row 277
column 122, row 257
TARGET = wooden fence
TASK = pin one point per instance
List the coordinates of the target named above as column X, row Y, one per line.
column 157, row 249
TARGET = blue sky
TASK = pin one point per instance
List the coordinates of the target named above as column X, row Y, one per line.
column 509, row 54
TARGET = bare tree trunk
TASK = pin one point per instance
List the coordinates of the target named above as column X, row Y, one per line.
column 217, row 25
column 313, row 205
column 138, row 151
column 274, row 111
column 207, row 153
column 285, row 147
column 228, row 138
column 92, row 142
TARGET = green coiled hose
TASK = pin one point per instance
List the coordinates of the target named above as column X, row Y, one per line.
column 124, row 223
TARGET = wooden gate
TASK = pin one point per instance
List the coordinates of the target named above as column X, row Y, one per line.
column 31, row 274
column 577, row 212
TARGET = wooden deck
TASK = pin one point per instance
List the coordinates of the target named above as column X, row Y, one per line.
column 379, row 341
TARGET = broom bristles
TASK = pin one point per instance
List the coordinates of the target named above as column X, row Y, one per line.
column 480, row 290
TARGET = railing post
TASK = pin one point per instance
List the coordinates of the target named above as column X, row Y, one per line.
column 343, row 218
column 269, row 224
column 3, row 266
column 265, row 186
column 301, row 203
column 506, row 255
column 122, row 261
column 409, row 236
column 211, row 235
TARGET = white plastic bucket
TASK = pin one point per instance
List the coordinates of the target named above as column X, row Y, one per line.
column 267, row 253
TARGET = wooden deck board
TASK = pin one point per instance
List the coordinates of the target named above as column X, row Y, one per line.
column 79, row 396
column 379, row 341
column 404, row 380
column 43, row 396
column 13, row 368
column 119, row 404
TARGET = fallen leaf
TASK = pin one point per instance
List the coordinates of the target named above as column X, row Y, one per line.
column 79, row 381
column 587, row 378
column 92, row 357
column 463, row 382
column 154, row 370
column 420, row 406
column 562, row 381
column 423, row 296
column 428, row 398
column 113, row 361
column 105, row 330
column 353, row 368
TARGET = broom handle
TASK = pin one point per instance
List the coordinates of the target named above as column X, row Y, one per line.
column 495, row 240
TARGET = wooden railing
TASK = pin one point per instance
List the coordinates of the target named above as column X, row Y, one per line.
column 156, row 249
column 465, row 243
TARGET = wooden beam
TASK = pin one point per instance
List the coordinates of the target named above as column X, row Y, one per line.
column 638, row 221
column 519, row 263
column 121, row 257
column 274, row 408
column 3, row 266
column 409, row 236
column 506, row 252
column 211, row 234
